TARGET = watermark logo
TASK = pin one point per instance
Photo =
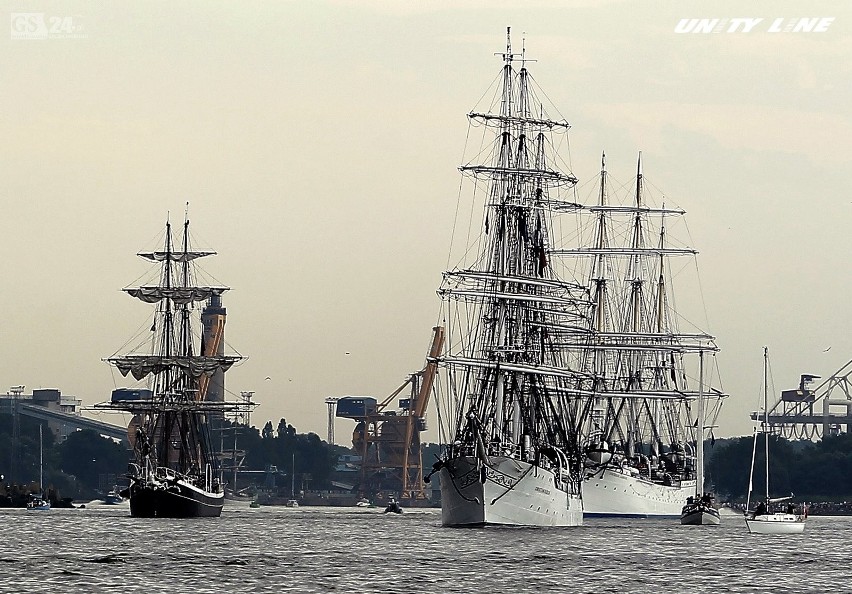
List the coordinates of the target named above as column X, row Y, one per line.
column 38, row 25
column 755, row 25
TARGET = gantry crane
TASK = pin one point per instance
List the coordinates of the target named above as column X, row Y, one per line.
column 813, row 413
column 388, row 439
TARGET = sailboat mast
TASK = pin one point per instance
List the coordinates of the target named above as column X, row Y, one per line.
column 40, row 461
column 766, row 414
column 699, row 430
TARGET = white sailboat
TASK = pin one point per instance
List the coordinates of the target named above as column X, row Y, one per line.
column 39, row 502
column 293, row 502
column 512, row 456
column 762, row 519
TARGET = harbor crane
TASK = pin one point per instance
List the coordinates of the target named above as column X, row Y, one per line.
column 813, row 413
column 388, row 439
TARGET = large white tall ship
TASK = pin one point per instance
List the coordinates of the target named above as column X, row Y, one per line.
column 513, row 454
column 646, row 367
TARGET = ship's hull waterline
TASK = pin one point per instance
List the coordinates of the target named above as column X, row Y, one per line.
column 506, row 492
column 179, row 500
column 613, row 493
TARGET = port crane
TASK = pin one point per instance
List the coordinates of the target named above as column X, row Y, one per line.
column 813, row 413
column 388, row 438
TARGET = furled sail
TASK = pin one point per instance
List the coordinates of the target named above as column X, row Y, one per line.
column 174, row 256
column 179, row 295
column 141, row 366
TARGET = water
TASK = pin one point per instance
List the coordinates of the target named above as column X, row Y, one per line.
column 312, row 549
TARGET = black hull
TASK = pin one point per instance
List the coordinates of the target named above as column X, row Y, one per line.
column 177, row 501
column 700, row 515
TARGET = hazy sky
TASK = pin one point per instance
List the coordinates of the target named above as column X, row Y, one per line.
column 317, row 143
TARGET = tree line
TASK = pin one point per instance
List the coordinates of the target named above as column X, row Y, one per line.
column 77, row 466
column 86, row 465
column 814, row 471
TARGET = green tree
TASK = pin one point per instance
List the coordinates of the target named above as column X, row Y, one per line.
column 86, row 455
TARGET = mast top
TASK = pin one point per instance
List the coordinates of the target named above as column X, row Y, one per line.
column 508, row 56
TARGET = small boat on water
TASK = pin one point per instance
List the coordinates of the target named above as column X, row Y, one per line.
column 240, row 498
column 38, row 503
column 292, row 503
column 113, row 497
column 767, row 517
column 393, row 507
column 700, row 511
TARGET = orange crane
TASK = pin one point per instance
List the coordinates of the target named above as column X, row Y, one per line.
column 389, row 439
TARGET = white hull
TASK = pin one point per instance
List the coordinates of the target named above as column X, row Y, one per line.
column 613, row 492
column 776, row 524
column 514, row 493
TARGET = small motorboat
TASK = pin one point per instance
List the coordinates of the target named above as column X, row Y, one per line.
column 113, row 497
column 38, row 503
column 700, row 511
column 393, row 507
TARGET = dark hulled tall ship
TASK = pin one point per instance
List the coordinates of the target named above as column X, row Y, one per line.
column 174, row 473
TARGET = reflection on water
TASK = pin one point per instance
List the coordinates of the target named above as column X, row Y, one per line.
column 310, row 549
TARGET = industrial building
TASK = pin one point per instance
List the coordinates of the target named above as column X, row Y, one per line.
column 42, row 401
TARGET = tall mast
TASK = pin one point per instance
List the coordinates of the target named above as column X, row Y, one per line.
column 506, row 366
column 600, row 279
column 699, row 430
column 40, row 461
column 636, row 280
column 766, row 415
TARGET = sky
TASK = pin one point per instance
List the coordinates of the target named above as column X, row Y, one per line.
column 317, row 144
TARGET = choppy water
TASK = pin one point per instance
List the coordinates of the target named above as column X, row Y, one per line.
column 271, row 549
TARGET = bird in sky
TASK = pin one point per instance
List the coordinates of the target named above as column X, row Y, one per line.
column 269, row 378
column 826, row 350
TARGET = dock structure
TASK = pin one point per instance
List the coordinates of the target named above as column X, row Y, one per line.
column 74, row 422
column 813, row 413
